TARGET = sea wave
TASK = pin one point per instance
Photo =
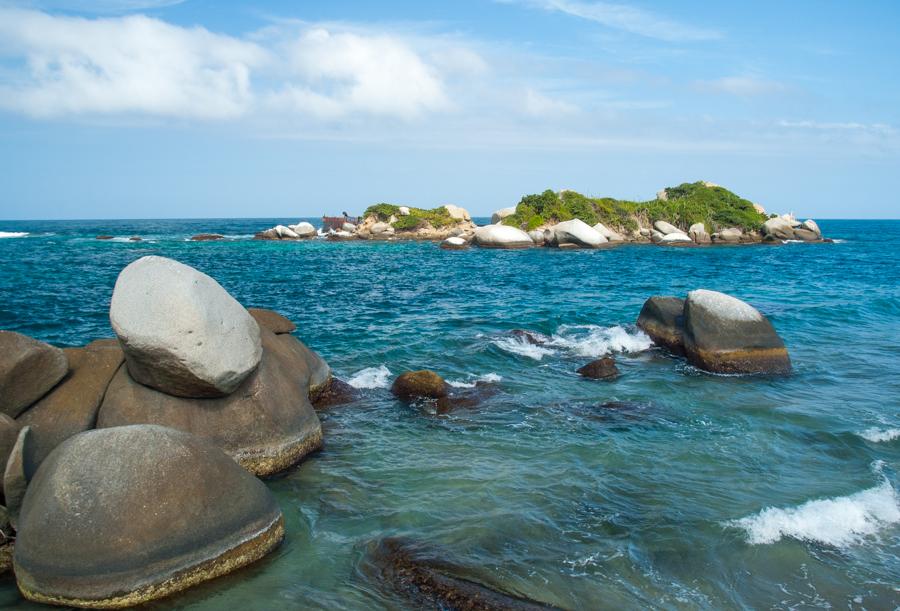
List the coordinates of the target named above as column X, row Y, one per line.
column 491, row 378
column 880, row 435
column 596, row 341
column 522, row 347
column 13, row 234
column 371, row 377
column 840, row 521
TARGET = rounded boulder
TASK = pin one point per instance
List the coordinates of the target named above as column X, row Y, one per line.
column 576, row 233
column 158, row 511
column 182, row 333
column 502, row 236
column 28, row 370
column 662, row 319
column 423, row 384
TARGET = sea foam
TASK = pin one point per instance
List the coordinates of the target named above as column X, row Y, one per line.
column 522, row 347
column 371, row 377
column 491, row 378
column 880, row 435
column 13, row 234
column 840, row 521
column 595, row 341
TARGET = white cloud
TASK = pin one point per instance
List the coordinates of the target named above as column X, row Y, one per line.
column 131, row 64
column 744, row 86
column 537, row 104
column 627, row 18
column 877, row 128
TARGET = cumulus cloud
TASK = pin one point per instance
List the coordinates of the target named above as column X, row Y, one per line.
column 741, row 86
column 626, row 18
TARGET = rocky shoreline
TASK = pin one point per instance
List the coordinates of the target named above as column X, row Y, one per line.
column 692, row 214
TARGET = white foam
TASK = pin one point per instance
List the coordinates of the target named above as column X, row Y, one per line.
column 595, row 341
column 490, row 378
column 371, row 377
column 13, row 234
column 522, row 347
column 840, row 521
column 879, row 435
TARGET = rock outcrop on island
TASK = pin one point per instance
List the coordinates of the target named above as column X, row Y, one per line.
column 575, row 233
column 502, row 236
column 716, row 332
column 182, row 333
column 108, row 520
column 301, row 231
column 387, row 221
column 28, row 370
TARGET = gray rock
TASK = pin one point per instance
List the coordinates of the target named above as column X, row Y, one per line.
column 454, row 243
column 18, row 472
column 182, row 333
column 656, row 237
column 811, row 225
column 778, row 227
column 267, row 424
column 502, row 213
column 271, row 320
column 662, row 319
column 731, row 235
column 698, row 233
column 502, row 236
column 609, row 234
column 119, row 517
column 348, row 227
column 666, row 228
column 675, row 238
column 303, row 229
column 286, row 232
column 403, row 210
column 723, row 334
column 381, row 228
column 457, row 213
column 537, row 236
column 806, row 235
column 600, row 369
column 576, row 232
column 71, row 407
column 9, row 432
column 28, row 370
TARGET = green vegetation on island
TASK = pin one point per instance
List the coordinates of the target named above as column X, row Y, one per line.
column 684, row 205
column 417, row 217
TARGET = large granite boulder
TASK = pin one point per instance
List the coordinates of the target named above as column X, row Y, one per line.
column 182, row 333
column 662, row 319
column 670, row 239
column 537, row 236
column 28, row 370
column 502, row 213
column 423, row 384
column 272, row 320
column 600, row 369
column 779, row 228
column 723, row 334
column 16, row 475
column 9, row 432
column 609, row 234
column 457, row 213
column 313, row 367
column 454, row 243
column 807, row 235
column 666, row 228
column 731, row 235
column 576, row 232
column 502, row 236
column 267, row 424
column 72, row 406
column 811, row 225
column 118, row 517
column 303, row 230
column 697, row 232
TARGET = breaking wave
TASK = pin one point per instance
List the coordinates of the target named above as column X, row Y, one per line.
column 491, row 378
column 13, row 234
column 595, row 341
column 371, row 377
column 880, row 435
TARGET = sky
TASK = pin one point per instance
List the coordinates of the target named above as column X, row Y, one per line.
column 201, row 109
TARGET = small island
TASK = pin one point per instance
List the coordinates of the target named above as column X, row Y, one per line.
column 691, row 214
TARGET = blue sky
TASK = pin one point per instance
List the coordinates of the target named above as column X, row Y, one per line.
column 143, row 109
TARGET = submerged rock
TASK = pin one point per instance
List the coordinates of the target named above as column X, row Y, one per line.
column 427, row 578
column 140, row 532
column 531, row 337
column 576, row 232
column 182, row 333
column 336, row 392
column 72, row 406
column 662, row 319
column 502, row 236
column 723, row 334
column 104, row 237
column 272, row 320
column 267, row 424
column 207, row 237
column 28, row 370
column 422, row 384
column 600, row 369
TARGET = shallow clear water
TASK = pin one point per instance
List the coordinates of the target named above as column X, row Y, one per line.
column 539, row 490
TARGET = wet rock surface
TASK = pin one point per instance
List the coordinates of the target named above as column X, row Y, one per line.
column 662, row 319
column 600, row 369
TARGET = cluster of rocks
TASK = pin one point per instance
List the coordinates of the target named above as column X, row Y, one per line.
column 459, row 229
column 786, row 227
column 428, row 388
column 301, row 231
column 99, row 441
column 715, row 332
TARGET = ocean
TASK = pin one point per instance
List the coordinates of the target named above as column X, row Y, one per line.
column 696, row 491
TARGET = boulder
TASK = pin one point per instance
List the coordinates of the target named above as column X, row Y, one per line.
column 789, row 218
column 104, row 237
column 656, row 237
column 341, row 235
column 72, row 406
column 662, row 195
column 454, row 243
column 207, row 237
column 759, row 208
column 182, row 333
column 319, row 372
column 381, row 229
column 9, row 432
column 723, row 334
column 577, row 233
column 811, row 225
column 17, row 474
column 423, row 384
column 675, row 238
column 502, row 236
column 662, row 319
column 731, row 235
column 666, row 228
column 286, row 232
column 28, row 370
column 502, row 213
column 268, row 234
column 537, row 236
column 119, row 517
column 348, row 227
column 337, row 392
column 304, row 230
column 698, row 233
column 271, row 320
column 609, row 234
column 779, row 228
column 806, row 235
column 457, row 213
column 267, row 424
column 403, row 210
column 135, row 238
column 600, row 369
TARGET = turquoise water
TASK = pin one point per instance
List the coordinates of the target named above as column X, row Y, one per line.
column 540, row 490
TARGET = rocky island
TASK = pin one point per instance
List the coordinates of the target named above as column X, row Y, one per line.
column 690, row 214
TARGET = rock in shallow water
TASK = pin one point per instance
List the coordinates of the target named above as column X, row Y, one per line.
column 122, row 516
column 723, row 334
column 502, row 236
column 662, row 319
column 600, row 369
column 422, row 384
column 182, row 333
column 28, row 370
column 577, row 233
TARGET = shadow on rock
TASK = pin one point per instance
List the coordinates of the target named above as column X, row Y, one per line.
column 337, row 392
column 428, row 580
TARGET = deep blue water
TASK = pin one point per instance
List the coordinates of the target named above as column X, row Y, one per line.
column 540, row 490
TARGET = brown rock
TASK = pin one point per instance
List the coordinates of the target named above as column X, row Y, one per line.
column 662, row 319
column 319, row 373
column 104, row 237
column 207, row 237
column 9, row 432
column 19, row 471
column 423, row 384
column 601, row 369
column 272, row 320
column 336, row 392
column 806, row 235
column 28, row 370
column 135, row 238
column 267, row 424
column 71, row 407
